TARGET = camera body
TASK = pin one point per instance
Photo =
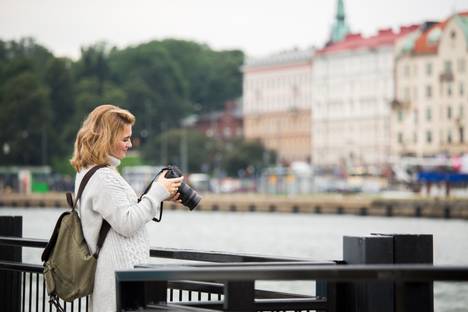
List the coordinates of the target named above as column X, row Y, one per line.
column 189, row 197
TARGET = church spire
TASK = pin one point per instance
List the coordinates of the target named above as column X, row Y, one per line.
column 340, row 28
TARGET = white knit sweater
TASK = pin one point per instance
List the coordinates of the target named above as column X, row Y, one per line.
column 107, row 195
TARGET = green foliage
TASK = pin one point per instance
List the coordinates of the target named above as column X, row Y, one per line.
column 156, row 90
column 131, row 160
column 214, row 77
column 25, row 118
column 243, row 155
column 205, row 154
column 168, row 148
column 62, row 165
column 44, row 99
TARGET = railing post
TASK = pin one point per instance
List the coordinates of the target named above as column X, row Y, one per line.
column 10, row 281
column 137, row 295
column 332, row 291
column 413, row 249
column 239, row 296
column 388, row 249
column 365, row 296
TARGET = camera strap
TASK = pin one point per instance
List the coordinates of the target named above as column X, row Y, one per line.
column 160, row 208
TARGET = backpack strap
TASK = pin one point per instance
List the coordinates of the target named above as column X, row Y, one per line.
column 85, row 180
column 102, row 232
column 105, row 227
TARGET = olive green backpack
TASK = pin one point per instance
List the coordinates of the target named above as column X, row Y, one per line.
column 69, row 267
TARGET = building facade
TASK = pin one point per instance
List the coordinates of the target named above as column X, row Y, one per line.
column 430, row 110
column 277, row 103
column 222, row 125
column 352, row 90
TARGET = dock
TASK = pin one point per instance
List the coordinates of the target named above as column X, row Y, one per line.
column 361, row 205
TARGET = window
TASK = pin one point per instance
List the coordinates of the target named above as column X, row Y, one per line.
column 428, row 114
column 447, row 66
column 460, row 114
column 453, row 36
column 449, row 137
column 415, row 137
column 428, row 69
column 428, row 136
column 400, row 137
column 400, row 116
column 227, row 132
column 406, row 95
column 461, row 134
column 449, row 90
column 461, row 89
column 415, row 116
column 428, row 91
column 449, row 112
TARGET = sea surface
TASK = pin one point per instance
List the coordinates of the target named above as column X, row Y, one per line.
column 317, row 237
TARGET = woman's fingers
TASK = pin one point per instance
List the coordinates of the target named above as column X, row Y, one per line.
column 171, row 185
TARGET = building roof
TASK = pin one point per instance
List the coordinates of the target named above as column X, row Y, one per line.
column 426, row 40
column 357, row 41
column 287, row 57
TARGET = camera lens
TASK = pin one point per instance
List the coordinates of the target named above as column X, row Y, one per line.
column 189, row 196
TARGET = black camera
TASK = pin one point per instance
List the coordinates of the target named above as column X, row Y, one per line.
column 189, row 197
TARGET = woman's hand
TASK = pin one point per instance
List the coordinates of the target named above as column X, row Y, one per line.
column 175, row 198
column 171, row 185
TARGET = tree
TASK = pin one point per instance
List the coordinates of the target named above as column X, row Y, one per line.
column 94, row 64
column 214, row 76
column 241, row 156
column 25, row 116
column 167, row 148
column 156, row 90
column 61, row 95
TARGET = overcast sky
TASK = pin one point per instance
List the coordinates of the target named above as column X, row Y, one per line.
column 257, row 27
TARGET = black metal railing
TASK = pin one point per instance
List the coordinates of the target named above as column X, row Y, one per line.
column 244, row 276
column 378, row 272
column 204, row 293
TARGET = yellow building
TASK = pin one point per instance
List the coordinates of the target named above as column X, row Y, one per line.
column 277, row 102
column 430, row 110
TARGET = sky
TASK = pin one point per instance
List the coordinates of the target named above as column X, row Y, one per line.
column 258, row 27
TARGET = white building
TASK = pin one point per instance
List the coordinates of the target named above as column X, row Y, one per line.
column 352, row 90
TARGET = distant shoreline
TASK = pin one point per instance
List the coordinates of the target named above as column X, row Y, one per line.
column 450, row 208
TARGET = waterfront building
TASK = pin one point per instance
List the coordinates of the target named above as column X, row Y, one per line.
column 430, row 109
column 352, row 90
column 223, row 125
column 277, row 103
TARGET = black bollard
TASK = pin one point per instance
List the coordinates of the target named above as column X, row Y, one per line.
column 368, row 296
column 239, row 296
column 10, row 281
column 388, row 296
column 413, row 249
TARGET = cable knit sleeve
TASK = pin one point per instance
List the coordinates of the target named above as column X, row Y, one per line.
column 114, row 200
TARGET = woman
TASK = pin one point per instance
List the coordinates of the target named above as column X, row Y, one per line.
column 105, row 138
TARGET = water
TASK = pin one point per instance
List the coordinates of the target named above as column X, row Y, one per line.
column 317, row 237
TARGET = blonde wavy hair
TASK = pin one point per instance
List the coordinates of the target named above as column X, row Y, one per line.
column 95, row 139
